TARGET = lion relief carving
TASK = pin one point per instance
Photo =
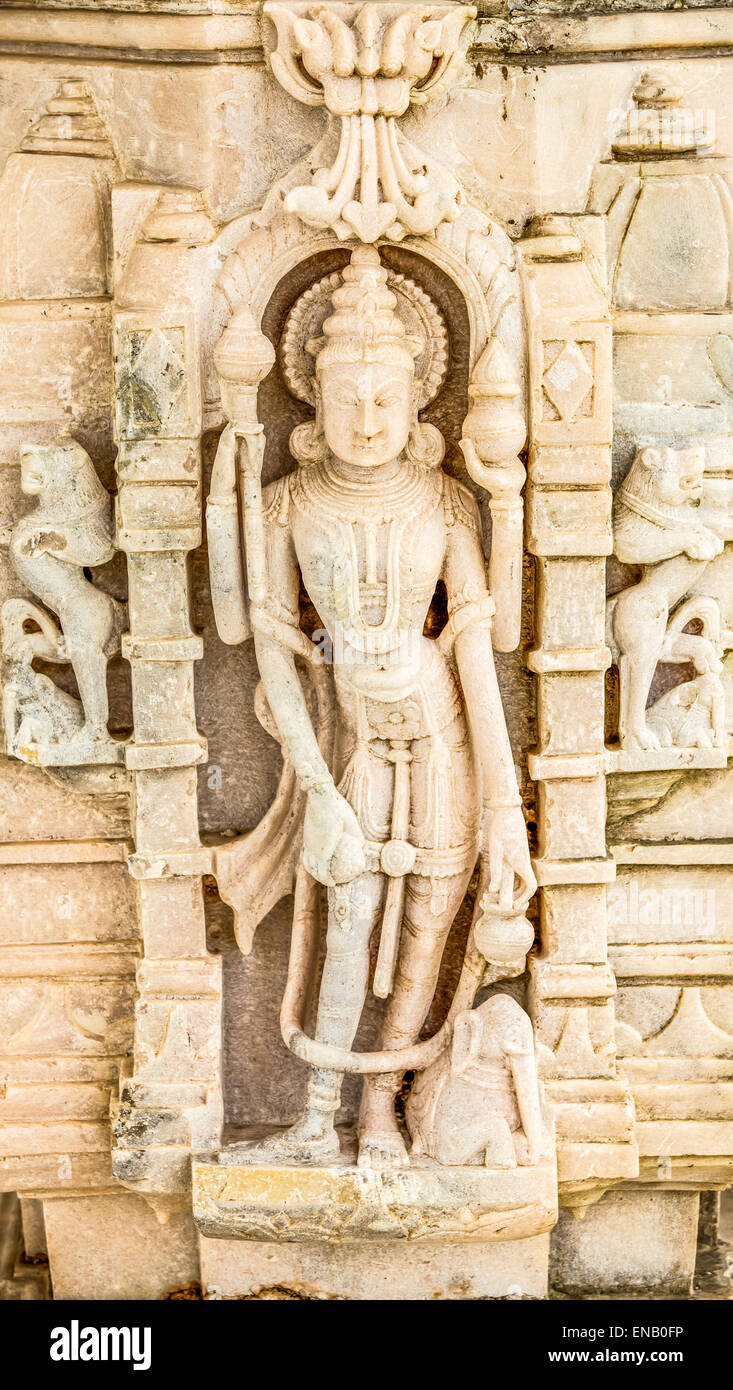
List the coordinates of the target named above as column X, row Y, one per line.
column 658, row 525
column 70, row 531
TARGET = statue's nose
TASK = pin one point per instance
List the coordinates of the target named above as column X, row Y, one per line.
column 369, row 424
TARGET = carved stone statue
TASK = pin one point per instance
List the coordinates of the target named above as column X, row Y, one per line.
column 70, row 530
column 658, row 525
column 421, row 782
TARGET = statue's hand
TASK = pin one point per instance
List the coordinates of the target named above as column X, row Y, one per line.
column 254, row 441
column 505, row 844
column 475, row 466
column 333, row 845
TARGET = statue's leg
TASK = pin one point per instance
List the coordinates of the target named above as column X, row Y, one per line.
column 430, row 907
column 487, row 1139
column 640, row 621
column 635, row 678
column 343, row 985
column 343, row 990
column 498, row 1144
column 90, row 669
column 87, row 628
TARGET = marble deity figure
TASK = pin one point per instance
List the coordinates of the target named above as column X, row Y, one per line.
column 421, row 783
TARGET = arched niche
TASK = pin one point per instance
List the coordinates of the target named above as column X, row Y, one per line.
column 467, row 265
column 281, row 412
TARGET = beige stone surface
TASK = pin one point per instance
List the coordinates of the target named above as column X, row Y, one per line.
column 111, row 1247
column 629, row 1242
column 366, row 396
column 511, row 1269
column 342, row 1203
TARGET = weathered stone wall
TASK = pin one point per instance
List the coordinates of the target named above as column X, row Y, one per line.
column 136, row 143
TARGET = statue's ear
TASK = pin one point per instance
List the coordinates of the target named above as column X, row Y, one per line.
column 425, row 444
column 308, row 442
column 656, row 458
column 651, row 457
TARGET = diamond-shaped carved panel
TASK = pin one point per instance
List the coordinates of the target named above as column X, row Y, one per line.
column 568, row 380
column 152, row 381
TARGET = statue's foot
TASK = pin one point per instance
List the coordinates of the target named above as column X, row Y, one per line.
column 301, row 1144
column 382, row 1148
column 87, row 736
column 642, row 739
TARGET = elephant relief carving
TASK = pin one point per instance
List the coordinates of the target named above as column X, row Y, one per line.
column 70, row 531
column 480, row 1101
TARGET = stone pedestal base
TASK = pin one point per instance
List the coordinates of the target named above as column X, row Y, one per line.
column 347, row 1232
column 637, row 1241
column 382, row 1270
column 117, row 1247
column 342, row 1202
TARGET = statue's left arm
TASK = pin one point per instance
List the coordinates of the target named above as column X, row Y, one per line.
column 470, row 609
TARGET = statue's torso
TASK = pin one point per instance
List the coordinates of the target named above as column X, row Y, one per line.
column 370, row 563
column 369, row 560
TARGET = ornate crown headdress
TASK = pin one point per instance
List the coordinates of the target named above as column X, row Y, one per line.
column 364, row 314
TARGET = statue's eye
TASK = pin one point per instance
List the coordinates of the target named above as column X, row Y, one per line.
column 387, row 400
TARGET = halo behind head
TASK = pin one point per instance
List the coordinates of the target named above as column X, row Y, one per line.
column 365, row 314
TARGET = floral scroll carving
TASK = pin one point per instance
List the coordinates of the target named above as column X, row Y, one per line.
column 367, row 64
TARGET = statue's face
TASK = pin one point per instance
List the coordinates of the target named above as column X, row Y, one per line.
column 682, row 481
column 367, row 411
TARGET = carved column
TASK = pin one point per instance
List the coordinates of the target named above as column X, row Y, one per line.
column 171, row 1102
column 569, row 533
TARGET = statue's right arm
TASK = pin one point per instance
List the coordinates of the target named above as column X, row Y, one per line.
column 277, row 664
column 332, row 840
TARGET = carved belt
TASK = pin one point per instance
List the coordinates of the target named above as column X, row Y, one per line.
column 396, row 858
